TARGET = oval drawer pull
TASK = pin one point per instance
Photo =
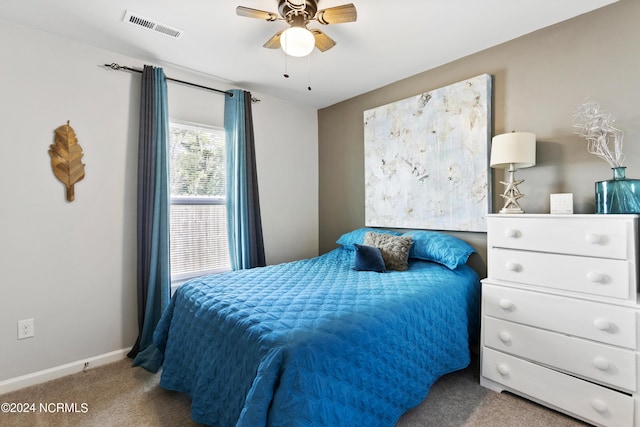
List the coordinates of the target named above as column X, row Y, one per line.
column 503, row 369
column 512, row 233
column 505, row 337
column 594, row 239
column 602, row 324
column 595, row 277
column 506, row 305
column 513, row 266
column 601, row 363
column 599, row 405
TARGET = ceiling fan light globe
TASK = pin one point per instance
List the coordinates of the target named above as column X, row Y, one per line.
column 297, row 41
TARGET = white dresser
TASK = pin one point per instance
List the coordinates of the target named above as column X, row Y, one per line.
column 560, row 314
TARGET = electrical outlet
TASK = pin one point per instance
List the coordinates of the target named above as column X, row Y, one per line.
column 26, row 329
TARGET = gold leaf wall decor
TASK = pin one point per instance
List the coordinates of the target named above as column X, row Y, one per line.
column 66, row 158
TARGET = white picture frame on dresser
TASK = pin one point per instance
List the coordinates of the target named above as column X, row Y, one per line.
column 560, row 314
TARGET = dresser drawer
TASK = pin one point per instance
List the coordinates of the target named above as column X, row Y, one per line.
column 603, row 363
column 596, row 237
column 596, row 276
column 581, row 398
column 596, row 321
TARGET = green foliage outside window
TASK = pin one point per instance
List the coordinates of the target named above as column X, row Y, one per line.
column 197, row 162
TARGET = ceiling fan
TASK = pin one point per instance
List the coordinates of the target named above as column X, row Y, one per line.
column 298, row 40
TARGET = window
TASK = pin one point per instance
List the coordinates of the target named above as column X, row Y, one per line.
column 198, row 221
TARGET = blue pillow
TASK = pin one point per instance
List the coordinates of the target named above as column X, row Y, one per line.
column 368, row 258
column 347, row 240
column 439, row 247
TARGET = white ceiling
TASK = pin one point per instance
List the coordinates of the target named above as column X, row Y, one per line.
column 391, row 40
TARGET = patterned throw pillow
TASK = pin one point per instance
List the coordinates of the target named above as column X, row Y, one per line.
column 347, row 240
column 395, row 249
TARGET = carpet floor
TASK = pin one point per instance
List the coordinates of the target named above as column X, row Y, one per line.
column 119, row 395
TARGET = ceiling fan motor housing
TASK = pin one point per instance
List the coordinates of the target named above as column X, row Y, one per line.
column 288, row 9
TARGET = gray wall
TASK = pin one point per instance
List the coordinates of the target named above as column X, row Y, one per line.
column 539, row 80
column 72, row 266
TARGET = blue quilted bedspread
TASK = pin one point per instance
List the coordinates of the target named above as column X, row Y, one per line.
column 316, row 343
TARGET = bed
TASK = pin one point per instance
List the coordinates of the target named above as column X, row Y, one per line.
column 322, row 341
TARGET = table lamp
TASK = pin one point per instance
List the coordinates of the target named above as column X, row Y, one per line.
column 515, row 150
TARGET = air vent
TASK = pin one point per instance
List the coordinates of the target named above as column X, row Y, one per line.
column 150, row 24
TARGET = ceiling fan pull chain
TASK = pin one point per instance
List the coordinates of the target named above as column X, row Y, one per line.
column 286, row 73
column 309, row 72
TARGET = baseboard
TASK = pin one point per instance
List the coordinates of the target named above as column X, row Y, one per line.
column 17, row 383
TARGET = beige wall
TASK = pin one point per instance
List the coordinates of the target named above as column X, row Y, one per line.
column 538, row 80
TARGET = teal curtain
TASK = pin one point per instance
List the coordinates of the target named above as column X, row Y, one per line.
column 244, row 225
column 154, row 276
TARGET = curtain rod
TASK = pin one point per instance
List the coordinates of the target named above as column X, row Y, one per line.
column 118, row 67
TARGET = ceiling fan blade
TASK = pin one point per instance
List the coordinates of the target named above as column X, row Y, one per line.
column 337, row 15
column 255, row 13
column 323, row 41
column 273, row 42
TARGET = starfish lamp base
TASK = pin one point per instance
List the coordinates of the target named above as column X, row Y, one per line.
column 511, row 193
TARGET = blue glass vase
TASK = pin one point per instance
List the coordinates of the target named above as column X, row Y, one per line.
column 619, row 195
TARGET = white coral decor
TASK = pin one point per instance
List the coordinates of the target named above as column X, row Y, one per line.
column 603, row 138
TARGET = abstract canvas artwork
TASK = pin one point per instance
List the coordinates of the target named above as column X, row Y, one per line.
column 426, row 159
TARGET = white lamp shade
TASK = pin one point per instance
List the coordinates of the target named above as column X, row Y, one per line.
column 297, row 41
column 517, row 148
